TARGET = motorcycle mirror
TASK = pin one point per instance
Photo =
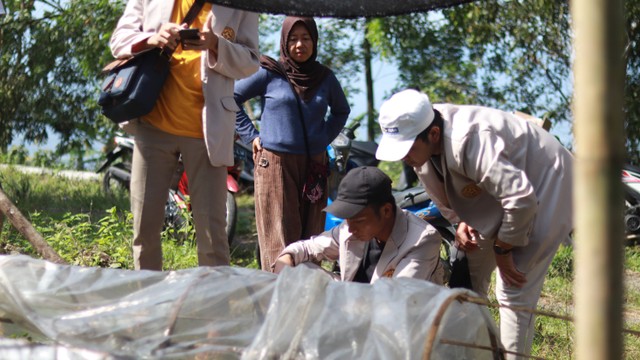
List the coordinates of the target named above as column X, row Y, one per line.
column 341, row 141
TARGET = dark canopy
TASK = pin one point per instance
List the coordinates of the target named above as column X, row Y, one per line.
column 339, row 8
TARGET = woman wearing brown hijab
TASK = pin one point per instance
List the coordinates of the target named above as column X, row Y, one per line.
column 304, row 110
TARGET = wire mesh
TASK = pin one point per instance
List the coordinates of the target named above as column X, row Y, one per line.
column 339, row 8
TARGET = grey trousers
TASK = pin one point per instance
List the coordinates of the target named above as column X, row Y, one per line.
column 155, row 158
column 516, row 327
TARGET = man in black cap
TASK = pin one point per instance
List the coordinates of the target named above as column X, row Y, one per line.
column 377, row 239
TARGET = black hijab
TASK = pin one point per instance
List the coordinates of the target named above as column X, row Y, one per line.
column 305, row 77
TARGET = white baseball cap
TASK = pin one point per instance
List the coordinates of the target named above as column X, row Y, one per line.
column 405, row 115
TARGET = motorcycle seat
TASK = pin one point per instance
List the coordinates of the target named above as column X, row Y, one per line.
column 411, row 196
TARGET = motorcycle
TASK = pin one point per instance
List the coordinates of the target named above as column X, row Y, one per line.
column 117, row 175
column 117, row 165
column 631, row 183
column 243, row 162
column 364, row 153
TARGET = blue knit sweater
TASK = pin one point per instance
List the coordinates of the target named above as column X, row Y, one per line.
column 280, row 126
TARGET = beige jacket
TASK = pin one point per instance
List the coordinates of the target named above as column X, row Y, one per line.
column 504, row 176
column 412, row 250
column 237, row 58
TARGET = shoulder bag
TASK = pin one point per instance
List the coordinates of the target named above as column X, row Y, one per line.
column 133, row 85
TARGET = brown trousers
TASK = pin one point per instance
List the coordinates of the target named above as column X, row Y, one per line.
column 282, row 216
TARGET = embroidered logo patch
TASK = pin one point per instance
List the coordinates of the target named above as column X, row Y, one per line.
column 391, row 130
column 471, row 190
column 118, row 82
column 228, row 33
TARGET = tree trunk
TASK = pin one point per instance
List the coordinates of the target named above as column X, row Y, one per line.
column 371, row 120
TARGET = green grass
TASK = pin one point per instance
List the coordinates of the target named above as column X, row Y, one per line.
column 632, row 302
column 555, row 338
column 88, row 228
column 632, row 259
column 243, row 249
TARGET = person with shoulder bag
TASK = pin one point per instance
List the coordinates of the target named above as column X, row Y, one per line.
column 193, row 117
column 289, row 151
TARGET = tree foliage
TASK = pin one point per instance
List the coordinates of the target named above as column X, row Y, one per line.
column 506, row 54
column 632, row 85
column 514, row 55
column 50, row 55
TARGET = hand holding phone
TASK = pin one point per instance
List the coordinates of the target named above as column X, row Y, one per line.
column 189, row 34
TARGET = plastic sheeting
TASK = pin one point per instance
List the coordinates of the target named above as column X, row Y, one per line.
column 339, row 8
column 232, row 313
column 22, row 349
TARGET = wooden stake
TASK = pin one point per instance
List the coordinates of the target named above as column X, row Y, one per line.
column 27, row 230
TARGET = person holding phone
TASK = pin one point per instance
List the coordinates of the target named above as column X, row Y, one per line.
column 304, row 110
column 193, row 117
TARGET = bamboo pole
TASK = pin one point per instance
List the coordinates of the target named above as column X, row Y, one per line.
column 598, row 195
column 27, row 230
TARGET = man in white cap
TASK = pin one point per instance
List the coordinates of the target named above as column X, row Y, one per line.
column 504, row 179
column 377, row 239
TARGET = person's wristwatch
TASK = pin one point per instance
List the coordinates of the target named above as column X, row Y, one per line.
column 500, row 251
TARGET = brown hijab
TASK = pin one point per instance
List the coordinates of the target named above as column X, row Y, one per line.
column 305, row 77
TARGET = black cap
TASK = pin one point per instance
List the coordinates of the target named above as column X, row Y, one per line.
column 360, row 187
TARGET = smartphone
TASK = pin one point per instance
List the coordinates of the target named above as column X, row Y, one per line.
column 189, row 34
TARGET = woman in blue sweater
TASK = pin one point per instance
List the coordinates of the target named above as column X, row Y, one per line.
column 296, row 90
